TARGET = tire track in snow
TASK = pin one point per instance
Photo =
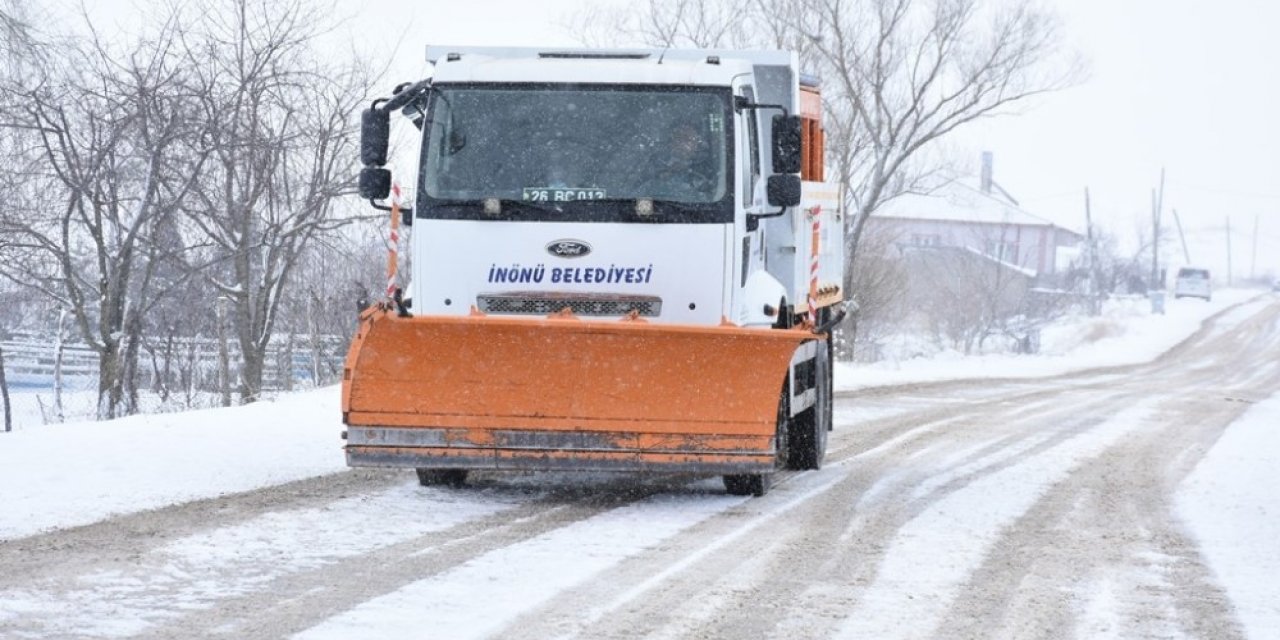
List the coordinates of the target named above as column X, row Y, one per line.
column 297, row 601
column 1105, row 531
column 897, row 499
column 749, row 582
column 658, row 611
column 29, row 559
column 199, row 570
column 1103, row 555
column 522, row 575
column 934, row 553
column 1236, row 525
column 611, row 592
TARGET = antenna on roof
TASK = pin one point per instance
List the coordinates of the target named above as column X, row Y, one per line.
column 664, row 53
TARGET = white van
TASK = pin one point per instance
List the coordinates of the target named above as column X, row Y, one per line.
column 1193, row 282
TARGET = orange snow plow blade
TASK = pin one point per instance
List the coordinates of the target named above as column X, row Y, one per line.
column 484, row 392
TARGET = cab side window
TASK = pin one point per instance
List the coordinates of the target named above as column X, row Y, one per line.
column 750, row 170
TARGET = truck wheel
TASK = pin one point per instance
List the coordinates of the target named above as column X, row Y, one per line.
column 808, row 441
column 827, row 416
column 446, row 477
column 754, row 484
column 758, row 484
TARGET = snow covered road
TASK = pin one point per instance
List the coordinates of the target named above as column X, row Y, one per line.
column 1092, row 505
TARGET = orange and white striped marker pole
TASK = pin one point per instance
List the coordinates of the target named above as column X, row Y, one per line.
column 815, row 216
column 393, row 260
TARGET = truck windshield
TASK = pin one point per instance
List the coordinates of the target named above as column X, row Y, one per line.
column 583, row 152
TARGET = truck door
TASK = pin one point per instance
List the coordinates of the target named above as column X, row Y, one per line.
column 749, row 180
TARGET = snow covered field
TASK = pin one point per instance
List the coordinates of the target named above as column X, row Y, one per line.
column 71, row 474
column 1126, row 333
column 65, row 475
column 77, row 473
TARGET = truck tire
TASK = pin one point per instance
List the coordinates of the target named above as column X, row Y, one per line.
column 808, row 441
column 439, row 477
column 755, row 484
column 758, row 484
column 828, row 416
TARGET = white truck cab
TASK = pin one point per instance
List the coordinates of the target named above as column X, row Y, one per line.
column 614, row 182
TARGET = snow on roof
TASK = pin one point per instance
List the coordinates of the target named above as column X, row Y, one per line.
column 1030, row 273
column 628, row 66
column 956, row 201
column 578, row 70
column 1026, row 271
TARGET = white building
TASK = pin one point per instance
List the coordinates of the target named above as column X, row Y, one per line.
column 985, row 222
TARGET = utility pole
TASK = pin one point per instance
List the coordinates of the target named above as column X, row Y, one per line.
column 1253, row 267
column 224, row 358
column 1228, row 251
column 1155, row 241
column 1157, row 201
column 4, row 396
column 1186, row 255
column 59, row 351
column 1092, row 253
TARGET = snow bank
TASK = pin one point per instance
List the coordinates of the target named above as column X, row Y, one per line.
column 1231, row 505
column 1126, row 333
column 72, row 474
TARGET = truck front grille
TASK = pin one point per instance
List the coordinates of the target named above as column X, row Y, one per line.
column 587, row 305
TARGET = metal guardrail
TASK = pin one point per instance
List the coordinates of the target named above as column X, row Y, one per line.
column 31, row 362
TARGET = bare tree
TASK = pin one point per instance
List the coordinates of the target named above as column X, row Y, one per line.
column 1126, row 271
column 106, row 146
column 280, row 128
column 20, row 53
column 900, row 75
column 905, row 73
column 326, row 292
column 970, row 296
column 963, row 296
column 880, row 277
column 18, row 41
column 103, row 163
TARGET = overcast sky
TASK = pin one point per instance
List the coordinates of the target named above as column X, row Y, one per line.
column 1188, row 85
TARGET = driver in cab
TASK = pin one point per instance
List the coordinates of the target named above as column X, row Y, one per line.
column 686, row 172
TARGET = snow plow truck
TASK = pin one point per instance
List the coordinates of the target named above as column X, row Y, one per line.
column 622, row 260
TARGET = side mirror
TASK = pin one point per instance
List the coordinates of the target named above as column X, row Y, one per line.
column 375, row 134
column 375, row 183
column 786, row 144
column 784, row 190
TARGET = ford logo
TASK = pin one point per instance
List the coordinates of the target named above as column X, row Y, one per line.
column 568, row 248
